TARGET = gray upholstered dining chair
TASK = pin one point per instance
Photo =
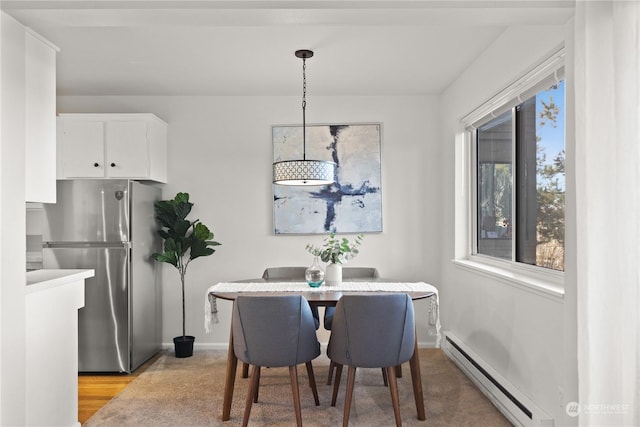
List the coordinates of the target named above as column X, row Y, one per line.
column 288, row 338
column 348, row 273
column 290, row 273
column 371, row 331
column 285, row 273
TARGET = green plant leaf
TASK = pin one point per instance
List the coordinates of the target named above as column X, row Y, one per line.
column 182, row 245
column 336, row 250
column 180, row 227
column 201, row 232
column 165, row 213
column 168, row 257
column 199, row 248
column 182, row 209
column 181, row 198
column 169, row 212
column 170, row 245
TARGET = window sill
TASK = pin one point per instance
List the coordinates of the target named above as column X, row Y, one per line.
column 541, row 286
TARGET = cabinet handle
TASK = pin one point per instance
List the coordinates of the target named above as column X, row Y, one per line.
column 95, row 165
column 113, row 165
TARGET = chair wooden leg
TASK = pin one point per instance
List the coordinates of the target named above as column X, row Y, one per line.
column 393, row 387
column 332, row 365
column 253, row 388
column 245, row 370
column 293, row 374
column 255, row 394
column 336, row 384
column 312, row 383
column 351, row 379
column 398, row 371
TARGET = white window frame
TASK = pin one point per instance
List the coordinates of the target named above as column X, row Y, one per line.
column 540, row 280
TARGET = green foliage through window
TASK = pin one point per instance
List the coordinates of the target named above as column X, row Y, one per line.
column 520, row 175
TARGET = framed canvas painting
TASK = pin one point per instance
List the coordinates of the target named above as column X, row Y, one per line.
column 353, row 204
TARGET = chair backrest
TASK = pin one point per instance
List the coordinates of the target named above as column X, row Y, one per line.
column 284, row 273
column 274, row 330
column 359, row 273
column 289, row 273
column 372, row 331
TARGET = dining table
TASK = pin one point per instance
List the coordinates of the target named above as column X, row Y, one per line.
column 322, row 296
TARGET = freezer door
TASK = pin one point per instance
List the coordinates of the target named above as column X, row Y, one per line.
column 88, row 210
column 103, row 332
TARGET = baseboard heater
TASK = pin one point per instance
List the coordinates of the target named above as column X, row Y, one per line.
column 518, row 409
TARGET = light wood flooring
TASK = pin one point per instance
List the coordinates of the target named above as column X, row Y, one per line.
column 95, row 391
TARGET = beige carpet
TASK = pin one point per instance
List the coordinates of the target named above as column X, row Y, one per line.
column 189, row 392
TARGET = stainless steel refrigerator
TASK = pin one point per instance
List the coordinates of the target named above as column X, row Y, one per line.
column 109, row 226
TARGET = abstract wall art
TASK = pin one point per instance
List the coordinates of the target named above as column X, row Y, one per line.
column 353, row 204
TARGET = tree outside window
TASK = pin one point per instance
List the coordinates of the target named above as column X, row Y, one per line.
column 520, row 182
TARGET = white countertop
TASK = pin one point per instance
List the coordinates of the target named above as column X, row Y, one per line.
column 39, row 280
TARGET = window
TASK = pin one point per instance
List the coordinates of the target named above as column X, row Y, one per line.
column 518, row 162
column 517, row 186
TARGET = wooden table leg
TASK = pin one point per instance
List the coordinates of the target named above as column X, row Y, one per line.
column 230, row 379
column 416, row 379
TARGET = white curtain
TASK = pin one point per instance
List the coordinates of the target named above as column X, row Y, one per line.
column 607, row 165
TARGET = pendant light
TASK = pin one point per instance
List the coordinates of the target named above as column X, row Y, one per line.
column 304, row 172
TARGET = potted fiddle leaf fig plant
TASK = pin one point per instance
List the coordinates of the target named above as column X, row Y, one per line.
column 336, row 251
column 184, row 241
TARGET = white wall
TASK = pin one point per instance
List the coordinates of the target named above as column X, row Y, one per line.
column 220, row 152
column 529, row 338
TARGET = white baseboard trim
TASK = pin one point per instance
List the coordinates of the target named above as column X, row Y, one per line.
column 513, row 404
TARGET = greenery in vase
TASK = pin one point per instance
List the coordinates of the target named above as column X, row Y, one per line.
column 336, row 250
column 184, row 240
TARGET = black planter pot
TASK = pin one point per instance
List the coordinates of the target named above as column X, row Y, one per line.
column 184, row 345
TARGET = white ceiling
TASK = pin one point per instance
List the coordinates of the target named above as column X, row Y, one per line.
column 246, row 47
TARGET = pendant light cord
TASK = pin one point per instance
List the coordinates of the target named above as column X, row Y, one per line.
column 304, row 108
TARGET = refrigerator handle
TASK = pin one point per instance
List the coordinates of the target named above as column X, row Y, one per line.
column 51, row 245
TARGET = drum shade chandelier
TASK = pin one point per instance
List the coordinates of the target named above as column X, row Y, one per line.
column 304, row 172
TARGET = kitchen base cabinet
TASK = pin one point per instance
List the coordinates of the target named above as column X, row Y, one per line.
column 132, row 146
column 53, row 298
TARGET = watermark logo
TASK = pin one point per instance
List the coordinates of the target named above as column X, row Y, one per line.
column 574, row 409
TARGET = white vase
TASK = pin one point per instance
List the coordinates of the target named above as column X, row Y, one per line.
column 333, row 274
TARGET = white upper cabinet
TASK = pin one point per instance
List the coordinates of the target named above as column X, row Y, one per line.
column 126, row 156
column 112, row 146
column 40, row 118
column 81, row 148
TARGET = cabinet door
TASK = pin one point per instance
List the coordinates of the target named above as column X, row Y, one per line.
column 82, row 149
column 127, row 149
column 40, row 120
